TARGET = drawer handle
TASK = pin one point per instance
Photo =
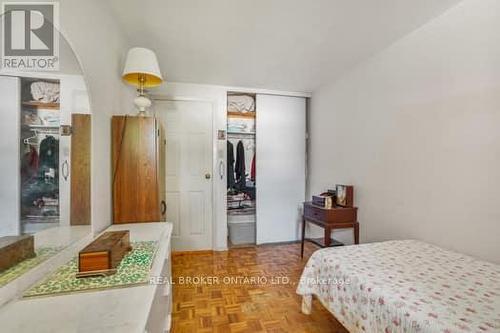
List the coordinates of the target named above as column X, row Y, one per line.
column 65, row 170
column 163, row 207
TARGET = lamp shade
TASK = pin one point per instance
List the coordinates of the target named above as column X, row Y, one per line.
column 142, row 62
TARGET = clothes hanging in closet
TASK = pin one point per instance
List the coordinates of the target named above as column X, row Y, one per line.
column 38, row 188
column 49, row 156
column 29, row 164
column 240, row 165
column 230, row 165
column 252, row 170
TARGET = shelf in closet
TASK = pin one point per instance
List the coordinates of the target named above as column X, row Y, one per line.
column 41, row 105
column 234, row 114
column 43, row 126
column 241, row 133
column 41, row 129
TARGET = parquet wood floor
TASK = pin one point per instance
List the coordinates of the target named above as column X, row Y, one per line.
column 241, row 304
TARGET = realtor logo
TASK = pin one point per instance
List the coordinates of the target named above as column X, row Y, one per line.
column 30, row 38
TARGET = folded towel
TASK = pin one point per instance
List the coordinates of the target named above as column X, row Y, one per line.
column 46, row 92
column 240, row 103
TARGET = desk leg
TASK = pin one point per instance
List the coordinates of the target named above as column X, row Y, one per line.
column 356, row 233
column 328, row 236
column 303, row 237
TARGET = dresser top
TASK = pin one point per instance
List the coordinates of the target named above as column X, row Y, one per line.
column 309, row 203
column 105, row 241
column 96, row 311
column 9, row 240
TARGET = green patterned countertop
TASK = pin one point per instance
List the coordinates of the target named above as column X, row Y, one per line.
column 133, row 270
column 16, row 271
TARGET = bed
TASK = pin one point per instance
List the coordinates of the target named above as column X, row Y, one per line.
column 403, row 286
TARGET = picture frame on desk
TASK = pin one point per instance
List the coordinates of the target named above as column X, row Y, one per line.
column 344, row 195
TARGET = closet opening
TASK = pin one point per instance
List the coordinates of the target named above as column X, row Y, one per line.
column 241, row 174
column 39, row 146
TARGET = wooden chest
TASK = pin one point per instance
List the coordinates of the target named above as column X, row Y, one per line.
column 14, row 249
column 103, row 255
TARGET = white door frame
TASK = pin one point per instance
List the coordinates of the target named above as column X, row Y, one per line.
column 215, row 168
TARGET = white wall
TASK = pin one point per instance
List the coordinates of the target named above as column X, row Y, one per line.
column 416, row 130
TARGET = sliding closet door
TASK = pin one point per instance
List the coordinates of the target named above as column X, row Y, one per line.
column 280, row 167
column 10, row 113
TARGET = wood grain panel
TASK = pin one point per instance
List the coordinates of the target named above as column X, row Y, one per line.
column 135, row 174
column 80, row 169
column 162, row 143
column 104, row 253
column 15, row 249
column 94, row 261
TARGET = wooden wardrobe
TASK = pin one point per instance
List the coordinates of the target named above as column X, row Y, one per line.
column 138, row 154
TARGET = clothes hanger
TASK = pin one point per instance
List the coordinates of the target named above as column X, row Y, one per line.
column 28, row 141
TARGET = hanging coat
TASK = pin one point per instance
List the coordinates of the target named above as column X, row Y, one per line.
column 29, row 165
column 230, row 165
column 49, row 156
column 240, row 165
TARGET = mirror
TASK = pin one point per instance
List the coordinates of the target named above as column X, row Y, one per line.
column 45, row 124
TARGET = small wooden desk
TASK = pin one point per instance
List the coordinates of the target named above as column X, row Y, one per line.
column 329, row 219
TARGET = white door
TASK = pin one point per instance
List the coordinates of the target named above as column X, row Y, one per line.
column 188, row 127
column 280, row 167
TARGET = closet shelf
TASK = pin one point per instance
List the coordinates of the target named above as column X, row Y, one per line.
column 43, row 126
column 240, row 133
column 234, row 114
column 41, row 105
column 42, row 129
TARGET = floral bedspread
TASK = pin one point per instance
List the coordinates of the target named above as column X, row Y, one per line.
column 404, row 286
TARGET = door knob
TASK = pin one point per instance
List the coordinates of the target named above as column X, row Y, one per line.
column 208, row 176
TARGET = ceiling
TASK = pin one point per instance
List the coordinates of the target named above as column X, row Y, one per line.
column 294, row 45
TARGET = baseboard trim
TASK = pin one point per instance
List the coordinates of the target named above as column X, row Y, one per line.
column 184, row 253
column 280, row 243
